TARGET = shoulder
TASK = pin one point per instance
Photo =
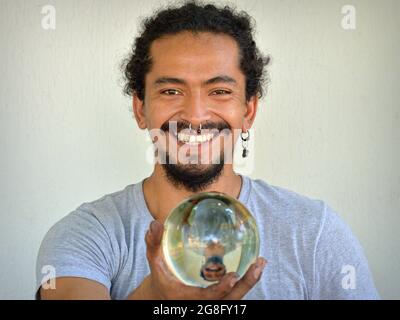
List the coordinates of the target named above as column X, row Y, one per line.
column 104, row 220
column 89, row 242
column 298, row 220
column 287, row 206
column 298, row 215
column 309, row 233
column 110, row 207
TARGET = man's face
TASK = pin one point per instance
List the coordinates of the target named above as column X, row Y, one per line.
column 213, row 270
column 195, row 79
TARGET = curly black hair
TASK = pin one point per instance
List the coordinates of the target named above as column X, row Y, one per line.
column 197, row 17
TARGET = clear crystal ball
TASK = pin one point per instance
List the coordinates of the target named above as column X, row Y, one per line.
column 208, row 235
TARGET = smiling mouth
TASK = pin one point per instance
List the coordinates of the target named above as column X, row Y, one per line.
column 213, row 269
column 195, row 139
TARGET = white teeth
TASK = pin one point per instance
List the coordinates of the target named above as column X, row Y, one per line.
column 194, row 138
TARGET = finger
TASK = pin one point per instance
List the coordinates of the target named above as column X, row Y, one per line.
column 222, row 288
column 154, row 254
column 248, row 281
column 213, row 292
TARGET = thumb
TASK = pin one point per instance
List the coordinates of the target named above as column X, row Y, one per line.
column 153, row 237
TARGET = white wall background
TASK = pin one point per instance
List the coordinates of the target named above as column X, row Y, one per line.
column 329, row 127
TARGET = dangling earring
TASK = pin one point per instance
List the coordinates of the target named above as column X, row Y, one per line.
column 245, row 140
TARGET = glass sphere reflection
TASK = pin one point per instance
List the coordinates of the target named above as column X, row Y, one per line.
column 207, row 235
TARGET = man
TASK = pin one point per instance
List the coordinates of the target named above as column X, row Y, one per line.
column 197, row 67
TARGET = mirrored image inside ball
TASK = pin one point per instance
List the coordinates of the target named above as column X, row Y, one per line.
column 208, row 235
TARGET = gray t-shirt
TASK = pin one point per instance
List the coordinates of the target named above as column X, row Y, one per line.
column 311, row 252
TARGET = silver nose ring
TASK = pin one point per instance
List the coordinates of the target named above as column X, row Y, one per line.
column 190, row 128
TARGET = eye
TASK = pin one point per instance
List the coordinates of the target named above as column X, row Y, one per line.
column 170, row 92
column 220, row 92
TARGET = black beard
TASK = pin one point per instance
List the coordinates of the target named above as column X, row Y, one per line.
column 190, row 177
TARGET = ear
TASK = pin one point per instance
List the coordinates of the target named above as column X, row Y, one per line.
column 138, row 110
column 250, row 113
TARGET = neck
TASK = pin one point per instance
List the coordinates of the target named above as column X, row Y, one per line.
column 162, row 196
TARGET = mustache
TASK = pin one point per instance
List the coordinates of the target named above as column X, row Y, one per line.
column 209, row 125
column 215, row 260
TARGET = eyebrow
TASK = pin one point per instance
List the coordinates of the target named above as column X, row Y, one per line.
column 217, row 79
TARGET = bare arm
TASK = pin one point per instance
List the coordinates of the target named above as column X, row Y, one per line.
column 73, row 288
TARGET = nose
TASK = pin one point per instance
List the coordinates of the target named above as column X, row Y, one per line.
column 195, row 111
